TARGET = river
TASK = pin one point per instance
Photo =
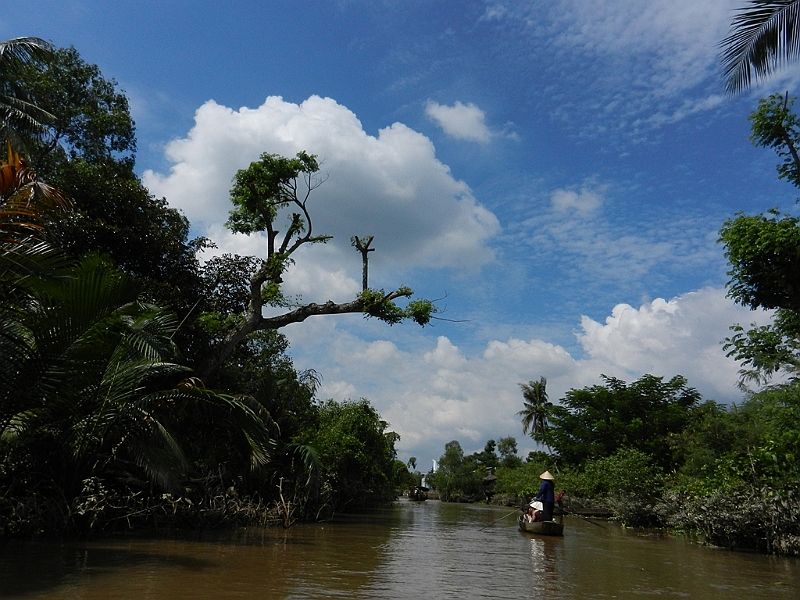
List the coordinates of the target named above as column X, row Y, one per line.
column 406, row 550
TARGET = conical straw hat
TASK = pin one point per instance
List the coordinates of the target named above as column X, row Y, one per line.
column 546, row 475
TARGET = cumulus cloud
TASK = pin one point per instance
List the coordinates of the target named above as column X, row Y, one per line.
column 460, row 121
column 683, row 335
column 431, row 391
column 391, row 185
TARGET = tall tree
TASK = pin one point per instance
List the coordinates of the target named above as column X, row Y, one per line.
column 269, row 188
column 764, row 255
column 357, row 452
column 764, row 35
column 89, row 154
column 90, row 117
column 534, row 415
column 774, row 125
column 507, row 447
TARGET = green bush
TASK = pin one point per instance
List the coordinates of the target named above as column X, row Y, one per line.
column 523, row 481
column 745, row 517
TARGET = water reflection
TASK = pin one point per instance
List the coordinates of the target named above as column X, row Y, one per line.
column 407, row 549
column 543, row 563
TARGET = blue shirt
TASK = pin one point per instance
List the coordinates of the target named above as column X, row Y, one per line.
column 547, row 491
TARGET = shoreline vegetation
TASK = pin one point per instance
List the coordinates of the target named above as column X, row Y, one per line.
column 141, row 388
column 655, row 456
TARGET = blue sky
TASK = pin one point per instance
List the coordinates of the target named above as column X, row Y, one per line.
column 556, row 171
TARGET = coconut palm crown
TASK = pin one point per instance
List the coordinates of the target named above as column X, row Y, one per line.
column 534, row 415
column 763, row 37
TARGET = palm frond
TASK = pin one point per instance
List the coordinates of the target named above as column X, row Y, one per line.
column 764, row 36
column 153, row 448
column 24, row 49
column 18, row 115
column 536, row 407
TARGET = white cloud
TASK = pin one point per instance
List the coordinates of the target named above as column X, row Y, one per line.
column 583, row 201
column 431, row 391
column 460, row 121
column 623, row 66
column 677, row 38
column 683, row 335
column 598, row 249
column 391, row 186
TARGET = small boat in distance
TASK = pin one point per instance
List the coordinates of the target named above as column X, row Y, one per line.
column 540, row 527
column 417, row 494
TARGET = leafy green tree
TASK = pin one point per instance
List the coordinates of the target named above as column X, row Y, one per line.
column 88, row 153
column 753, row 444
column 767, row 453
column 774, row 125
column 596, row 421
column 507, row 447
column 356, row 452
column 713, row 432
column 89, row 117
column 534, row 415
column 764, row 36
column 488, row 457
column 459, row 477
column 626, row 472
column 263, row 192
column 764, row 254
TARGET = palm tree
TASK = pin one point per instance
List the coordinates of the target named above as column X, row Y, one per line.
column 19, row 116
column 25, row 201
column 534, row 415
column 84, row 378
column 764, row 36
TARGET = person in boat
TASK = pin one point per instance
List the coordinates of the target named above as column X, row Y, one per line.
column 534, row 512
column 546, row 495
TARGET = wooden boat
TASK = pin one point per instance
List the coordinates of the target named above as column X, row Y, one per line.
column 541, row 527
column 417, row 494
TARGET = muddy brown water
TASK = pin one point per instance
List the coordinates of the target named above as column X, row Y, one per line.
column 407, row 550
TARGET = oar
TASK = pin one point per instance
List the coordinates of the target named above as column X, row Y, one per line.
column 498, row 520
column 569, row 512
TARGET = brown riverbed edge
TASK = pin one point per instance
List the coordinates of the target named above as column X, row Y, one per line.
column 31, row 516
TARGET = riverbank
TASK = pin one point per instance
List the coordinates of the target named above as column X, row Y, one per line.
column 101, row 510
column 743, row 517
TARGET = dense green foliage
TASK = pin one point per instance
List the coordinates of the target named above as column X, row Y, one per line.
column 458, row 478
column 357, row 452
column 595, row 422
column 105, row 314
column 730, row 474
